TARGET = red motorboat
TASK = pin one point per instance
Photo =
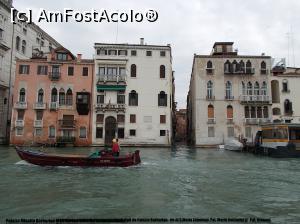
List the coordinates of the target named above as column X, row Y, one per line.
column 106, row 159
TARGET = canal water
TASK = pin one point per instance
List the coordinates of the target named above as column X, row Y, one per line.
column 170, row 183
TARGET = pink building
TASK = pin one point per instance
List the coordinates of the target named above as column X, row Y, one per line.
column 52, row 100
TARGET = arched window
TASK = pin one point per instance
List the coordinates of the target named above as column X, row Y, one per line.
column 228, row 93
column 69, row 97
column 62, row 96
column 247, row 114
column 162, row 72
column 54, row 95
column 22, row 95
column 227, row 67
column 41, row 96
column 259, row 112
column 249, row 89
column 229, row 112
column 253, row 112
column 264, row 89
column 285, row 87
column 235, row 66
column 210, row 112
column 162, row 99
column 256, row 88
column 266, row 112
column 209, row 65
column 248, row 67
column 263, row 65
column 133, row 98
column 276, row 111
column 133, row 70
column 23, row 46
column 209, row 90
column 242, row 66
column 244, row 91
column 288, row 107
column 18, row 40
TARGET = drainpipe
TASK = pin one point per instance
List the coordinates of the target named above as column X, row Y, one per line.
column 8, row 114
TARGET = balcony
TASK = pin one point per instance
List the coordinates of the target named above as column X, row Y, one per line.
column 110, row 107
column 257, row 121
column 111, row 78
column 210, row 97
column 19, row 123
column 247, row 71
column 39, row 106
column 65, row 123
column 254, row 99
column 65, row 139
column 211, row 121
column 111, row 82
column 54, row 76
column 210, row 71
column 229, row 97
column 21, row 105
column 53, row 106
column 38, row 123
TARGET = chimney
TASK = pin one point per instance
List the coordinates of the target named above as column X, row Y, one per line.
column 79, row 57
column 142, row 41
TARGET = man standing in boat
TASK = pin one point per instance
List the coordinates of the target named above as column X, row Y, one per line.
column 115, row 147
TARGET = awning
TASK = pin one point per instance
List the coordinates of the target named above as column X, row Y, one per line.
column 111, row 87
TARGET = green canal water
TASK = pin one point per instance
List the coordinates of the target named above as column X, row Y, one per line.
column 170, row 183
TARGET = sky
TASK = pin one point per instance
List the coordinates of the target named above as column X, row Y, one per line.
column 191, row 27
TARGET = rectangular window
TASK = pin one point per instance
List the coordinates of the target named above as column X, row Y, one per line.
column 112, row 52
column 21, row 114
column 61, row 56
column 120, row 118
column 19, row 131
column 24, row 69
column 148, row 53
column 100, row 99
column 52, row 132
column 82, row 132
column 122, row 52
column 39, row 115
column 85, row 71
column 133, row 53
column 132, row 118
column 38, row 131
column 120, row 132
column 99, row 132
column 111, row 71
column 248, row 132
column 162, row 53
column 122, row 71
column 101, row 70
column 230, row 132
column 132, row 132
column 211, row 132
column 162, row 133
column 121, row 99
column 101, row 52
column 70, row 70
column 42, row 70
column 162, row 119
column 99, row 118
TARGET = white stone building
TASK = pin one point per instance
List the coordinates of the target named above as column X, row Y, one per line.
column 285, row 83
column 229, row 96
column 132, row 94
column 18, row 40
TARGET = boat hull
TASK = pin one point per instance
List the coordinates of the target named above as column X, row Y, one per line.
column 278, row 152
column 108, row 160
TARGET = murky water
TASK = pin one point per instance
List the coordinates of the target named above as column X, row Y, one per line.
column 169, row 183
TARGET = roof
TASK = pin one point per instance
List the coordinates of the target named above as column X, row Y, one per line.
column 134, row 45
column 232, row 56
column 223, row 43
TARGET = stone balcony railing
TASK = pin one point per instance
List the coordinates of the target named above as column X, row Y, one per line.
column 21, row 105
column 257, row 121
column 255, row 99
column 53, row 105
column 102, row 78
column 38, row 123
column 39, row 106
column 19, row 123
column 54, row 76
column 110, row 107
column 211, row 120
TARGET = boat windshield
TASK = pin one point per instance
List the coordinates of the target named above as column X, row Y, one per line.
column 294, row 133
column 275, row 133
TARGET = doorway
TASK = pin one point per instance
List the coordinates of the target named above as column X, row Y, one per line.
column 110, row 130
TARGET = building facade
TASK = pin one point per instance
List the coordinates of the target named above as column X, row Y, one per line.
column 229, row 96
column 285, row 82
column 133, row 94
column 52, row 100
column 17, row 41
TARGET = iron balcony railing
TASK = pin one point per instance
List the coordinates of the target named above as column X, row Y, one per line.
column 54, row 76
column 21, row 105
column 65, row 123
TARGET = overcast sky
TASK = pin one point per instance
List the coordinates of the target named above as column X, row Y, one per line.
column 192, row 26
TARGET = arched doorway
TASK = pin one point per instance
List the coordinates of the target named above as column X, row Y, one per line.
column 110, row 130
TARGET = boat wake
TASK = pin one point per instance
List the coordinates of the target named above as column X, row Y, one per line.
column 23, row 162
